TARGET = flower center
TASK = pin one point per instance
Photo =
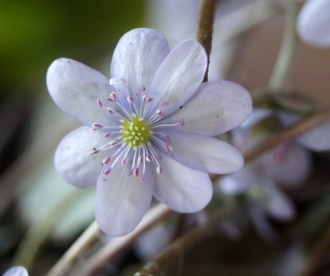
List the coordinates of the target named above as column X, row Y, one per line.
column 137, row 138
column 135, row 132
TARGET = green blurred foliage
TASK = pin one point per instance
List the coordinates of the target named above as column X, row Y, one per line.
column 34, row 33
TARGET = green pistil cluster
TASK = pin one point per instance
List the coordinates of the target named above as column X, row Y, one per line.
column 135, row 132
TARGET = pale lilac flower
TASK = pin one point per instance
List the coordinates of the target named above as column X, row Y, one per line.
column 16, row 271
column 288, row 164
column 316, row 139
column 313, row 23
column 265, row 199
column 148, row 132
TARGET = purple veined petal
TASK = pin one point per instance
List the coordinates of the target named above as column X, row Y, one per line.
column 181, row 188
column 122, row 200
column 238, row 182
column 178, row 78
column 137, row 57
column 16, row 271
column 75, row 88
column 204, row 153
column 288, row 164
column 215, row 108
column 73, row 161
column 278, row 206
column 313, row 23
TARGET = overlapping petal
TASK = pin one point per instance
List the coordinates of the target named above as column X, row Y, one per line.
column 313, row 23
column 205, row 153
column 138, row 55
column 122, row 200
column 76, row 87
column 16, row 271
column 181, row 188
column 215, row 108
column 72, row 159
column 178, row 78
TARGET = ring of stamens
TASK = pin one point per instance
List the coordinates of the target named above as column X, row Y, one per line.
column 134, row 131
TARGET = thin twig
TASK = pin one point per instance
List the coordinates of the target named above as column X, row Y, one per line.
column 183, row 243
column 285, row 57
column 205, row 27
column 317, row 254
column 285, row 135
column 85, row 241
column 118, row 245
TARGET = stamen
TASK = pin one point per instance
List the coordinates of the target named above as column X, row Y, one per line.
column 112, row 97
column 106, row 160
column 100, row 104
column 97, row 126
column 107, row 135
column 107, row 171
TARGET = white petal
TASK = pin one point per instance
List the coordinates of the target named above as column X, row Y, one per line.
column 122, row 200
column 288, row 164
column 316, row 139
column 178, row 78
column 72, row 159
column 215, row 108
column 238, row 182
column 76, row 87
column 313, row 23
column 279, row 205
column 16, row 271
column 260, row 221
column 138, row 55
column 181, row 188
column 205, row 153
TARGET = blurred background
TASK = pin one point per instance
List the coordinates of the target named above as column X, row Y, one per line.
column 38, row 208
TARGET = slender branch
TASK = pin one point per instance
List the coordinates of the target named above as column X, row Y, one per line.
column 118, row 245
column 183, row 243
column 205, row 27
column 85, row 241
column 286, row 54
column 285, row 135
column 39, row 231
column 317, row 254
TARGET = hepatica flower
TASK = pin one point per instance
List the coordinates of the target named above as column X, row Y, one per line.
column 16, row 271
column 147, row 130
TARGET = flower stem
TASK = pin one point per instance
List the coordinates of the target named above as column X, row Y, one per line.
column 317, row 254
column 205, row 28
column 84, row 242
column 116, row 245
column 184, row 242
column 284, row 60
column 39, row 231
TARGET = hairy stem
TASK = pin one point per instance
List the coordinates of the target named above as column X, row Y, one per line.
column 284, row 60
column 205, row 28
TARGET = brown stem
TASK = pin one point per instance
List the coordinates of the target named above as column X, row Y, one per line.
column 85, row 241
column 117, row 245
column 317, row 254
column 285, row 135
column 205, row 28
column 183, row 243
